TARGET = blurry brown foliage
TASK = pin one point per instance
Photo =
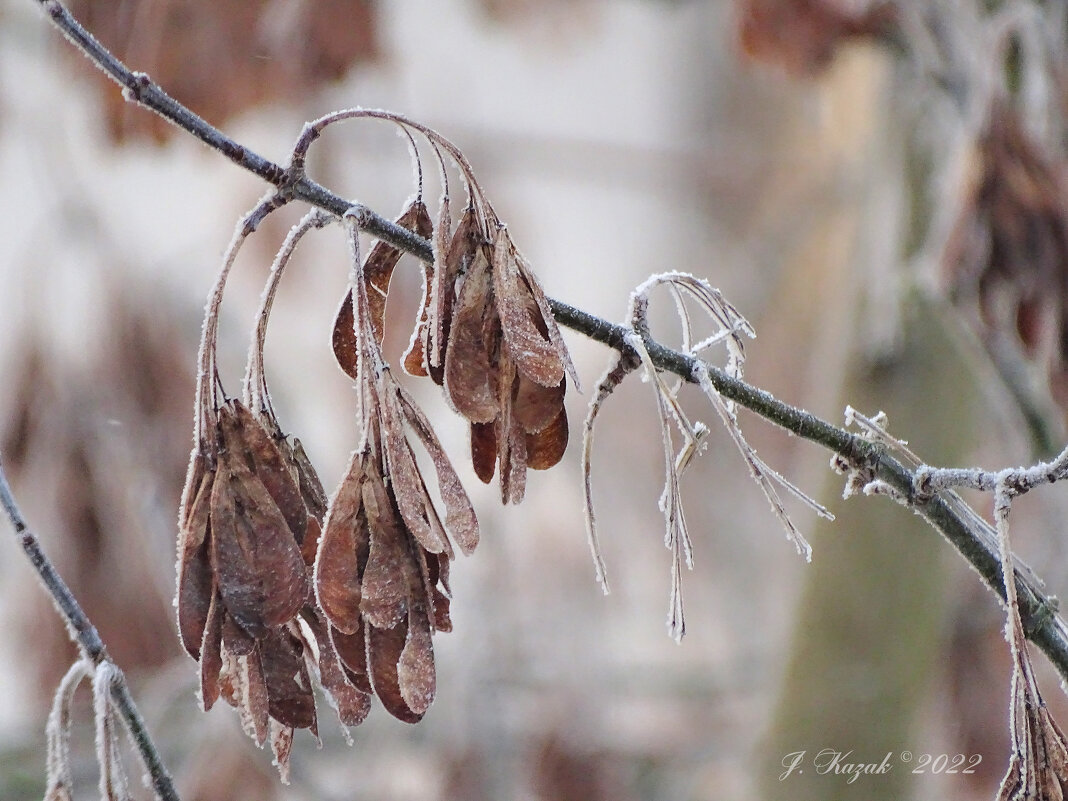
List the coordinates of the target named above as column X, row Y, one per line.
column 1008, row 250
column 802, row 36
column 95, row 437
column 224, row 58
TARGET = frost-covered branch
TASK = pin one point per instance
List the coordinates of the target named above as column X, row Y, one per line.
column 963, row 530
column 107, row 675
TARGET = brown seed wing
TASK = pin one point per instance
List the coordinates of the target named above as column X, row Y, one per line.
column 546, row 448
column 512, row 454
column 351, row 649
column 289, row 693
column 235, row 639
column 414, row 358
column 470, row 378
column 244, row 434
column 535, row 406
column 343, row 338
column 415, row 668
column 211, row 661
column 460, row 516
column 259, row 568
column 352, row 704
column 253, row 696
column 484, row 450
column 337, row 574
column 195, row 581
column 546, row 319
column 385, row 579
column 410, row 492
column 384, row 648
column 311, row 488
column 442, row 620
column 522, row 323
column 194, row 479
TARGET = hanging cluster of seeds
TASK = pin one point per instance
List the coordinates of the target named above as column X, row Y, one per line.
column 280, row 588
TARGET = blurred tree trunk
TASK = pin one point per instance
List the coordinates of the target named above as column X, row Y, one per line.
column 870, row 611
column 869, row 619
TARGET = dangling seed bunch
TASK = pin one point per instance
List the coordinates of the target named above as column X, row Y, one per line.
column 278, row 586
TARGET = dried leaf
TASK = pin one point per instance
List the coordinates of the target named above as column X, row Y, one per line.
column 337, row 568
column 522, row 323
column 384, row 648
column 415, row 669
column 261, row 574
column 470, row 378
column 545, row 448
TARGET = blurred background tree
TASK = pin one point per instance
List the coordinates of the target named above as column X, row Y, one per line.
column 816, row 160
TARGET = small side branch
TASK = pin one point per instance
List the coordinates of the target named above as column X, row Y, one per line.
column 85, row 635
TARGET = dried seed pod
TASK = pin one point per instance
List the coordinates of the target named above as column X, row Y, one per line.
column 385, row 581
column 211, row 661
column 195, row 581
column 259, row 568
column 254, row 447
column 352, row 704
column 415, row 667
column 384, row 649
column 525, row 330
column 338, row 566
column 377, row 274
column 470, row 378
column 546, row 447
column 484, row 450
column 289, row 693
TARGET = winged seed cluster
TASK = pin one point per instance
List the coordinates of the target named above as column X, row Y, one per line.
column 279, row 588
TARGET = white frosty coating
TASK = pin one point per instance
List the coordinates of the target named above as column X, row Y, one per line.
column 57, row 732
column 676, row 535
column 733, row 328
column 760, row 472
column 113, row 783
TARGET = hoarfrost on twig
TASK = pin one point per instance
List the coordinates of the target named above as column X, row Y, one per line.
column 732, row 329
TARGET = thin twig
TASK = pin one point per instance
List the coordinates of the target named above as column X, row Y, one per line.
column 1047, row 630
column 85, row 635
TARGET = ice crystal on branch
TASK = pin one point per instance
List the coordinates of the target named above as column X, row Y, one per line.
column 730, row 329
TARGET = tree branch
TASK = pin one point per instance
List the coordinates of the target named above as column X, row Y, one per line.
column 85, row 635
column 1045, row 628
